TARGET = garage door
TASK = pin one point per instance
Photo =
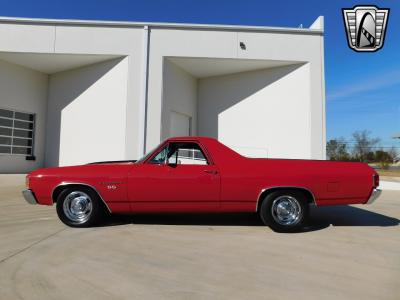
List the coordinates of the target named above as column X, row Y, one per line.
column 180, row 124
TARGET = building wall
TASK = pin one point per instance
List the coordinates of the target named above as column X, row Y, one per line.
column 178, row 43
column 262, row 113
column 86, row 114
column 127, row 41
column 304, row 48
column 85, row 92
column 24, row 90
column 48, row 38
column 179, row 95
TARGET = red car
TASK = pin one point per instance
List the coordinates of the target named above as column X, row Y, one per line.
column 199, row 174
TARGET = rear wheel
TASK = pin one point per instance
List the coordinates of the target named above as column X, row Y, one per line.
column 284, row 211
column 79, row 207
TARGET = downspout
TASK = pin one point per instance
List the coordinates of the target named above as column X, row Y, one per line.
column 144, row 94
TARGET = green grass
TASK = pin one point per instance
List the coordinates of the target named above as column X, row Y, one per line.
column 389, row 173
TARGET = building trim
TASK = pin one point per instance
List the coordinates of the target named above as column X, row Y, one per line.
column 4, row 19
column 144, row 93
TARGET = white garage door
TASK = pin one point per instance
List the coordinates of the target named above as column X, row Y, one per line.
column 179, row 124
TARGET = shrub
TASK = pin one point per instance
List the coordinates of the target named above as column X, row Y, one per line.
column 384, row 165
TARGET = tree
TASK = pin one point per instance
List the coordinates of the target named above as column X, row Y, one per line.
column 370, row 156
column 393, row 154
column 363, row 144
column 336, row 149
column 381, row 155
column 383, row 158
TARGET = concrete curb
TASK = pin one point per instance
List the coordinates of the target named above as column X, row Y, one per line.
column 389, row 185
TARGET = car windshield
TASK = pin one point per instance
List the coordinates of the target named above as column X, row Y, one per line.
column 146, row 155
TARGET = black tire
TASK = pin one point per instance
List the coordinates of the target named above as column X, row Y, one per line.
column 66, row 213
column 269, row 210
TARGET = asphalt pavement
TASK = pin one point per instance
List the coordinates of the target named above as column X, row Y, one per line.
column 347, row 252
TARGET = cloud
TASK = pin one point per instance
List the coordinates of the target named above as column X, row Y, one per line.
column 377, row 82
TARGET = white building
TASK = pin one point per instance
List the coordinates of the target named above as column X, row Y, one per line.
column 73, row 92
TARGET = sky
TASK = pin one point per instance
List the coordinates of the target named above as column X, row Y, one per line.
column 362, row 89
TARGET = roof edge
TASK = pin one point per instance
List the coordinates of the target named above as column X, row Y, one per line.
column 4, row 19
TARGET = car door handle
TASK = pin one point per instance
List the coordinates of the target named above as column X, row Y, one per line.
column 211, row 171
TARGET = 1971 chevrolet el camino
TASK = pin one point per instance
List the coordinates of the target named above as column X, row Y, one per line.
column 199, row 174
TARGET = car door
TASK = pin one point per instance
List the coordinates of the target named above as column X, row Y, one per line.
column 179, row 177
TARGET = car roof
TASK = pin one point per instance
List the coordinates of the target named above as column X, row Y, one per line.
column 191, row 138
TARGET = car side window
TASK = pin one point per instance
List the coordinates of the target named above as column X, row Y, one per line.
column 186, row 154
column 160, row 157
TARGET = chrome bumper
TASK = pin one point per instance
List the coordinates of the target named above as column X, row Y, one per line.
column 29, row 197
column 374, row 195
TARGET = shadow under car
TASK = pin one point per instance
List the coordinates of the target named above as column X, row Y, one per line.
column 319, row 218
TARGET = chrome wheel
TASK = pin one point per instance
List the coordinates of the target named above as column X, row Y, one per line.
column 286, row 210
column 77, row 207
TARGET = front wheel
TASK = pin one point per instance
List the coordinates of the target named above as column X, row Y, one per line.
column 284, row 211
column 79, row 207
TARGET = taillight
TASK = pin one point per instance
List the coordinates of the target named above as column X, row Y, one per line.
column 376, row 180
column 27, row 181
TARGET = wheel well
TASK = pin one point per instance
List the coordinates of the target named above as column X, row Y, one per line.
column 307, row 194
column 57, row 191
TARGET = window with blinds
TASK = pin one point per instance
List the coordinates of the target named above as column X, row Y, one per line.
column 16, row 132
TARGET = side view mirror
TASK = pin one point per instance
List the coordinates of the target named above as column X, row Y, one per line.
column 173, row 160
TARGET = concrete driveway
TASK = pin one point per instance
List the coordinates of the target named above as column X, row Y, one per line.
column 347, row 253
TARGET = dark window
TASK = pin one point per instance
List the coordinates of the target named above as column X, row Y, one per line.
column 21, row 150
column 4, row 140
column 24, row 116
column 5, row 150
column 22, row 142
column 16, row 132
column 5, row 131
column 6, row 122
column 23, row 125
column 22, row 133
column 6, row 113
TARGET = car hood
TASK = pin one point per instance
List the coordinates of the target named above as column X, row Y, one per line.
column 84, row 170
